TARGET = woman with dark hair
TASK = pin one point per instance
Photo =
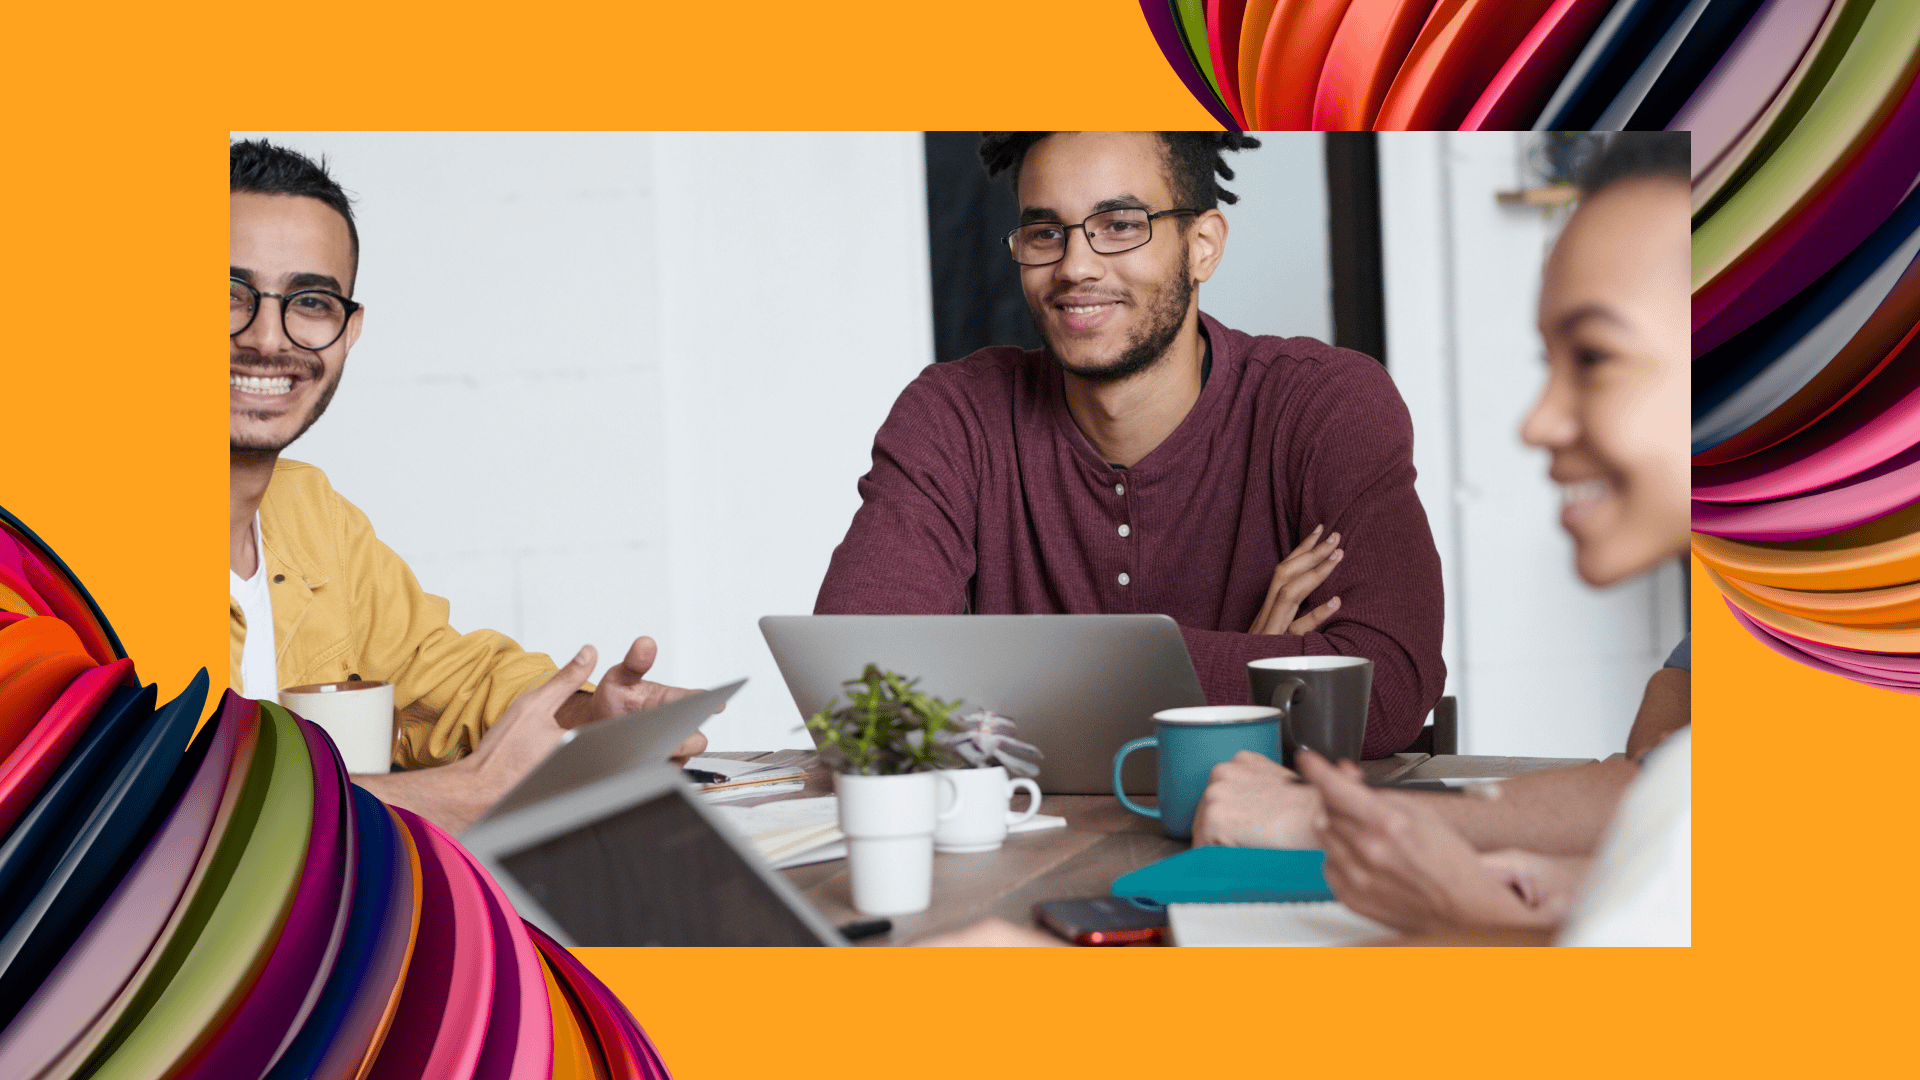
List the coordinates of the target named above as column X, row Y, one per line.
column 1614, row 306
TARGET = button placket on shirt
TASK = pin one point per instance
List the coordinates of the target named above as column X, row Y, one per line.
column 1125, row 530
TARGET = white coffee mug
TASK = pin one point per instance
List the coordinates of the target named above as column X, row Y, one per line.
column 358, row 716
column 889, row 823
column 984, row 817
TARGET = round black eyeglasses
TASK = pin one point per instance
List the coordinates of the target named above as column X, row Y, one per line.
column 312, row 318
column 1043, row 243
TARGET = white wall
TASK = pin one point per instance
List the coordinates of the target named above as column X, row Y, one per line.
column 1542, row 664
column 784, row 359
column 615, row 384
column 1274, row 278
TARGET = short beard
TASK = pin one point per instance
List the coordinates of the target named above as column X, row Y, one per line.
column 1148, row 344
column 261, row 449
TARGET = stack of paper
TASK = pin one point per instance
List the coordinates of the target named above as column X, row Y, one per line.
column 748, row 779
column 787, row 831
column 1325, row 923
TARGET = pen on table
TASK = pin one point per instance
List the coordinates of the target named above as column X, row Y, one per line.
column 854, row 931
column 702, row 776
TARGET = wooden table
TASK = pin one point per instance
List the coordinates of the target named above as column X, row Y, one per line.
column 1101, row 841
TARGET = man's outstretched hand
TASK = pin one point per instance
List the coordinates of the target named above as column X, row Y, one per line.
column 453, row 796
column 625, row 688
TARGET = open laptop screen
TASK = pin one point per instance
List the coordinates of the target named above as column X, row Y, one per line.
column 654, row 874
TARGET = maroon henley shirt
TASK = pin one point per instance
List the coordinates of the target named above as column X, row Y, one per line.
column 982, row 481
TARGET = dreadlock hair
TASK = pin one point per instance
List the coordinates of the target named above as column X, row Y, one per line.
column 1192, row 158
column 1639, row 155
column 261, row 168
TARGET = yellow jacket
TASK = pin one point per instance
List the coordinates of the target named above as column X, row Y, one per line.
column 345, row 606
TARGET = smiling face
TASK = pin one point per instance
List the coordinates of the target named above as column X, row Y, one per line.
column 1105, row 317
column 281, row 243
column 1614, row 304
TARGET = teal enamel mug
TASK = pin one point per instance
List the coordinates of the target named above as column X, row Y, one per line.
column 1189, row 743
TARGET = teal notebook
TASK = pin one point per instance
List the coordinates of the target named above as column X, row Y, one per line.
column 1220, row 875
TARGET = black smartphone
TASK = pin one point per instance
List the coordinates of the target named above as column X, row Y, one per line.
column 1104, row 920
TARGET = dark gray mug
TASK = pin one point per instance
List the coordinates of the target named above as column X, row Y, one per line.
column 1322, row 702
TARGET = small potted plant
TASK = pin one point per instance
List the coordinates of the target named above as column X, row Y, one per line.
column 886, row 752
column 985, row 741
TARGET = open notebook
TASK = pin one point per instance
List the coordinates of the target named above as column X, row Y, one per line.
column 1326, row 922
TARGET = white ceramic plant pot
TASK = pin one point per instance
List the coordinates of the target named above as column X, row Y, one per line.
column 889, row 822
column 981, row 824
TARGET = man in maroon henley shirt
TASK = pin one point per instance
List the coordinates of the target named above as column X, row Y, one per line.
column 1151, row 459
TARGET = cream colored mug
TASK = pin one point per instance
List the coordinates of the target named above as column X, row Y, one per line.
column 357, row 715
column 984, row 817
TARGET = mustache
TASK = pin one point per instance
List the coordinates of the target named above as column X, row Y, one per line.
column 1054, row 295
column 278, row 365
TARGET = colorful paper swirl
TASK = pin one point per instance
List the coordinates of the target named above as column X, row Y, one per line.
column 224, row 902
column 1476, row 65
column 1806, row 308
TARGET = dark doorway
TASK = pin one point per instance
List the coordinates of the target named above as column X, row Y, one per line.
column 976, row 287
column 1353, row 242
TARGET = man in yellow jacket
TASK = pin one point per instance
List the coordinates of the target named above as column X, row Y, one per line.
column 315, row 597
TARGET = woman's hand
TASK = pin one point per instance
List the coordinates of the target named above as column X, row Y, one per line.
column 992, row 933
column 1547, row 884
column 1301, row 572
column 1393, row 860
column 1252, row 801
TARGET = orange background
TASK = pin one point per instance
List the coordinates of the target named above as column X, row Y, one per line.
column 115, row 122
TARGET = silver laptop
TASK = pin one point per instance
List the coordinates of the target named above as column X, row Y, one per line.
column 613, row 746
column 1079, row 686
column 638, row 858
